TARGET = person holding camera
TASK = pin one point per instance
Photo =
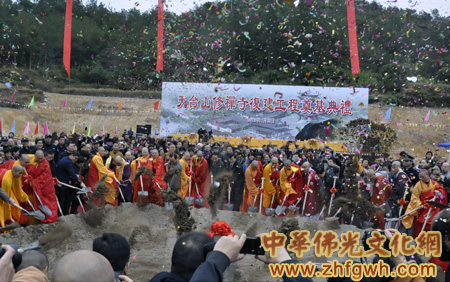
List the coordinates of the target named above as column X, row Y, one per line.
column 6, row 264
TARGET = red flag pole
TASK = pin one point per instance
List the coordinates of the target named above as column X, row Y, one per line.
column 67, row 36
column 160, row 59
column 352, row 36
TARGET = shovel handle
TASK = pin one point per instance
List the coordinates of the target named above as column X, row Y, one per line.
column 271, row 202
column 120, row 190
column 428, row 215
column 70, row 186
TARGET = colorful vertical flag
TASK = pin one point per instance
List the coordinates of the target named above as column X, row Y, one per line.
column 65, row 102
column 36, row 130
column 89, row 131
column 27, row 129
column 13, row 127
column 1, row 125
column 427, row 117
column 352, row 37
column 73, row 129
column 67, row 36
column 14, row 95
column 31, row 102
column 90, row 105
column 388, row 114
column 120, row 105
column 156, row 106
column 103, row 131
column 45, row 128
column 116, row 132
column 160, row 36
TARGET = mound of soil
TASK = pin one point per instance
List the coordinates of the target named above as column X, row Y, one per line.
column 152, row 232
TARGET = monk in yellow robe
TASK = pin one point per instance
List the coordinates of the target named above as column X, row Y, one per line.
column 185, row 175
column 271, row 176
column 96, row 171
column 291, row 184
column 12, row 185
column 424, row 190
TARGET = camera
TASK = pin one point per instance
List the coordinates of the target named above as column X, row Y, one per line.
column 17, row 258
column 368, row 234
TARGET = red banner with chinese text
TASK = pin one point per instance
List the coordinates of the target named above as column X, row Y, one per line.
column 352, row 37
column 67, row 36
column 160, row 59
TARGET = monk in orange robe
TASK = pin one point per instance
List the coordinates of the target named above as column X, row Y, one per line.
column 253, row 182
column 96, row 171
column 145, row 180
column 202, row 179
column 159, row 170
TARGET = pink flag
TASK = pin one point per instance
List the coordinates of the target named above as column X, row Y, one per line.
column 116, row 132
column 45, row 128
column 27, row 128
column 14, row 94
column 427, row 117
column 103, row 131
column 65, row 103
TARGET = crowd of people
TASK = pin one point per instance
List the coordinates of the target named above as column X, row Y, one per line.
column 56, row 171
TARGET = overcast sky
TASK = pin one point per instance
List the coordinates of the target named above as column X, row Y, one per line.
column 179, row 6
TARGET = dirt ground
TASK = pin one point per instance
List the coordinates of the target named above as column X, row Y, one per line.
column 152, row 234
column 414, row 140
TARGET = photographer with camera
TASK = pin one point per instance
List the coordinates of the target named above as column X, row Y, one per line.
column 6, row 264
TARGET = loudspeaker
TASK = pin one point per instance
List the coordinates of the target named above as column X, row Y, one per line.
column 144, row 129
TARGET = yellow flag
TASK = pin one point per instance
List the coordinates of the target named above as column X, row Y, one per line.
column 73, row 129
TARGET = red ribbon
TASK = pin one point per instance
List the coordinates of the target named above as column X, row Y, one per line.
column 307, row 188
column 160, row 60
column 402, row 202
column 352, row 36
column 67, row 36
column 334, row 190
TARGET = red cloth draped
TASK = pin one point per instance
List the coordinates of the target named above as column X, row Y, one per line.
column 159, row 170
column 202, row 179
column 297, row 184
column 160, row 59
column 146, row 180
column 42, row 182
column 352, row 36
column 67, row 36
column 314, row 199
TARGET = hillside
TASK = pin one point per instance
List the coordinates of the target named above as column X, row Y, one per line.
column 415, row 140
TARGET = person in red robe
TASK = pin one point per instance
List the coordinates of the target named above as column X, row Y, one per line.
column 424, row 190
column 381, row 191
column 253, row 182
column 201, row 179
column 311, row 191
column 144, row 182
column 159, row 170
column 41, row 181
